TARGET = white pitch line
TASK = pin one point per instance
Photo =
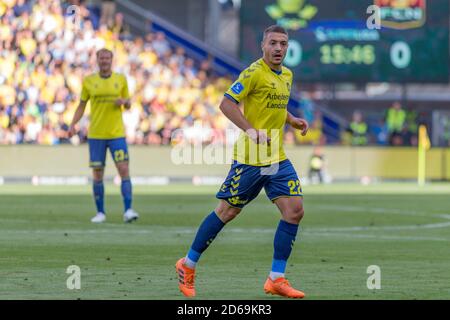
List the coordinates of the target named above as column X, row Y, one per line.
column 381, row 237
column 387, row 228
column 241, row 232
column 317, row 232
column 386, row 211
column 380, row 210
column 252, row 230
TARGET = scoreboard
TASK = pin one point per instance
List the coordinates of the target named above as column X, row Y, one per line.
column 403, row 41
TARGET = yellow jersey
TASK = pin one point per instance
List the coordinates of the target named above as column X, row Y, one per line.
column 265, row 94
column 106, row 117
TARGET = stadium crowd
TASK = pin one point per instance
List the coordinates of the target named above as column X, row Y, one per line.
column 45, row 56
column 397, row 127
column 45, row 53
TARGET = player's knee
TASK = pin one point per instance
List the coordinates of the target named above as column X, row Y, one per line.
column 226, row 213
column 229, row 214
column 296, row 213
column 98, row 174
column 123, row 170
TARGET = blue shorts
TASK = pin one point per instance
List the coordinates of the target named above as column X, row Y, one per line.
column 244, row 182
column 97, row 151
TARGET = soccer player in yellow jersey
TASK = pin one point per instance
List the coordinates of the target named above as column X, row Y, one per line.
column 259, row 161
column 107, row 92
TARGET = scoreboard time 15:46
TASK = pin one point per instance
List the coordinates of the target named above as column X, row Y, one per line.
column 330, row 41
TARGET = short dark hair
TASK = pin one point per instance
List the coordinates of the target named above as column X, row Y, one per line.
column 275, row 28
column 104, row 50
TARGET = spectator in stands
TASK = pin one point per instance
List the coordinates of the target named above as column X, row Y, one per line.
column 380, row 133
column 160, row 44
column 411, row 118
column 108, row 12
column 4, row 119
column 406, row 136
column 358, row 129
column 120, row 27
column 62, row 130
column 395, row 120
column 397, row 139
column 21, row 7
column 33, row 128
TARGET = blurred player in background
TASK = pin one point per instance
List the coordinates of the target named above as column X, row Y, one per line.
column 316, row 166
column 264, row 88
column 107, row 92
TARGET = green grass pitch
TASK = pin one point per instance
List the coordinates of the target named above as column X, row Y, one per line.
column 403, row 229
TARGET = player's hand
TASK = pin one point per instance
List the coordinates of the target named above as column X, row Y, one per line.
column 258, row 136
column 120, row 102
column 71, row 132
column 300, row 124
column 123, row 102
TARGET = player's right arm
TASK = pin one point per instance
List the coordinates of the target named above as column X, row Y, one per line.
column 231, row 110
column 80, row 109
column 76, row 117
column 240, row 89
column 124, row 95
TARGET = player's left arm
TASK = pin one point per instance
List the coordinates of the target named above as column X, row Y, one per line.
column 297, row 123
column 124, row 96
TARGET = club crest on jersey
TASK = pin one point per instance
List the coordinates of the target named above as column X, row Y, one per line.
column 237, row 88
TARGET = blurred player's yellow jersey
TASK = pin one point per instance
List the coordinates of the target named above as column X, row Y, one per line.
column 106, row 117
column 265, row 94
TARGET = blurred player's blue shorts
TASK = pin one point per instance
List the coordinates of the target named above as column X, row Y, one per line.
column 97, row 151
column 244, row 182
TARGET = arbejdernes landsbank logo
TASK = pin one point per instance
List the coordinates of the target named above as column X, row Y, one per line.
column 291, row 14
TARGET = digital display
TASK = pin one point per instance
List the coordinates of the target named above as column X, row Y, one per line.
column 355, row 41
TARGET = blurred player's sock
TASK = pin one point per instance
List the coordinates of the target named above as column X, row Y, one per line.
column 99, row 194
column 126, row 193
column 192, row 261
column 276, row 275
column 206, row 233
column 283, row 243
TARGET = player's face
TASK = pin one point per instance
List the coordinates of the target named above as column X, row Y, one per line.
column 104, row 60
column 274, row 47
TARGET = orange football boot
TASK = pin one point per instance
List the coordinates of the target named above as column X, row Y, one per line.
column 185, row 278
column 282, row 287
